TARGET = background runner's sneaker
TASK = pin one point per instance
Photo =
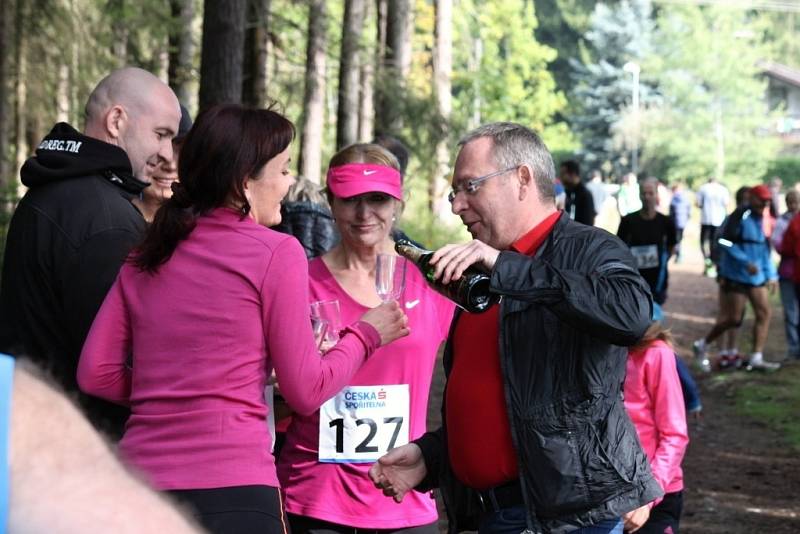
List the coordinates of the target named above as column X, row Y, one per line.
column 730, row 361
column 700, row 356
column 757, row 363
column 763, row 366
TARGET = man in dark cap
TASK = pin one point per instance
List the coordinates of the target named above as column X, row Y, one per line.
column 76, row 224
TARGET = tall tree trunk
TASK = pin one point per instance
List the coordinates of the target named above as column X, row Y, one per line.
column 76, row 97
column 222, row 54
column 181, row 50
column 442, row 71
column 397, row 61
column 314, row 95
column 382, row 14
column 379, row 72
column 474, row 66
column 366, row 104
column 62, row 94
column 7, row 10
column 120, row 31
column 347, row 111
column 719, row 139
column 256, row 49
column 20, row 87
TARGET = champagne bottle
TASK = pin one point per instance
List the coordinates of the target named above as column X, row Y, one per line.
column 471, row 291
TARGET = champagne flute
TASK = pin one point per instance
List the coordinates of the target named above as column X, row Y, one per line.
column 327, row 312
column 390, row 277
column 320, row 329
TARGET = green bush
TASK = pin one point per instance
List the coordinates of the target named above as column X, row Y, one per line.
column 787, row 167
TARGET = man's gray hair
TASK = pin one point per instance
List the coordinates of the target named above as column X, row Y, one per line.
column 514, row 145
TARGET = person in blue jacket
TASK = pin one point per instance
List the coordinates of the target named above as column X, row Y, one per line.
column 746, row 272
column 679, row 211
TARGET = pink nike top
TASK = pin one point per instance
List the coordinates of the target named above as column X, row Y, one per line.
column 654, row 401
column 202, row 336
column 343, row 492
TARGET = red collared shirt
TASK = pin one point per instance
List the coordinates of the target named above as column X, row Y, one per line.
column 478, row 433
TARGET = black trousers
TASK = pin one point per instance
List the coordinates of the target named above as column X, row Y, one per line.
column 707, row 234
column 665, row 517
column 236, row 510
column 309, row 525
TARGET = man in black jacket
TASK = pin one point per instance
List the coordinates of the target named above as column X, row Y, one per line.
column 75, row 225
column 579, row 203
column 534, row 433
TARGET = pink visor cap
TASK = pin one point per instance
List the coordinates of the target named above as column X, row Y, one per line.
column 354, row 179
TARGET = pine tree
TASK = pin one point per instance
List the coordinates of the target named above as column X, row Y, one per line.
column 603, row 90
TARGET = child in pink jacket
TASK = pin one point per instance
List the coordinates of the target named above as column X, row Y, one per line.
column 654, row 401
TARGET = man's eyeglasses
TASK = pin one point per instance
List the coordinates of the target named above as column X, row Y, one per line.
column 471, row 187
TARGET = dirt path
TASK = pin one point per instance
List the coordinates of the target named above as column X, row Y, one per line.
column 740, row 478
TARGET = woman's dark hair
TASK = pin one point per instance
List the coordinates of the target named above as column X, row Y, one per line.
column 228, row 144
column 741, row 196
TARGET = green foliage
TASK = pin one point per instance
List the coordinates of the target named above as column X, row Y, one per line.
column 780, row 30
column 420, row 223
column 786, row 167
column 712, row 117
column 562, row 25
column 618, row 34
column 507, row 79
column 500, row 70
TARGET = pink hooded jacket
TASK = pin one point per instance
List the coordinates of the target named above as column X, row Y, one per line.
column 654, row 401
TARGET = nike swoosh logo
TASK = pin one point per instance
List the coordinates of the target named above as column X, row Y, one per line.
column 412, row 304
column 367, row 173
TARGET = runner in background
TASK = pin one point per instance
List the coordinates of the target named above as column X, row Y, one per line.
column 746, row 273
column 651, row 238
column 729, row 348
column 712, row 198
column 786, row 268
column 628, row 198
column 680, row 209
column 324, row 463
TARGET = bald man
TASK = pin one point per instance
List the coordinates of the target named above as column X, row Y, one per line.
column 76, row 224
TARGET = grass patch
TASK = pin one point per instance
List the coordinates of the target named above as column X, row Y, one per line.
column 775, row 400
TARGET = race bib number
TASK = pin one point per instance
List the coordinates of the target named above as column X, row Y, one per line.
column 646, row 256
column 361, row 423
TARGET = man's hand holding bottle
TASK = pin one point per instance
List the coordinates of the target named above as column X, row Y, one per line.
column 452, row 260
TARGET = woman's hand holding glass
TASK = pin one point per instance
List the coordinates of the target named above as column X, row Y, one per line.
column 389, row 320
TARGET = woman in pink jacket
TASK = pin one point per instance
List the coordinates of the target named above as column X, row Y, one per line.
column 654, row 401
column 203, row 311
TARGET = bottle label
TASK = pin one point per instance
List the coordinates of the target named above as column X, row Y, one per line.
column 362, row 423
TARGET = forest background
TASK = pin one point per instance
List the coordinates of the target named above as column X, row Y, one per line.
column 426, row 71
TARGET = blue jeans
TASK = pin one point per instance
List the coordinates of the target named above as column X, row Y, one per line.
column 791, row 317
column 512, row 521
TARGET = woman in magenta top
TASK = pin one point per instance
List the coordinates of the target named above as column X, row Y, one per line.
column 202, row 312
column 328, row 453
column 654, row 401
